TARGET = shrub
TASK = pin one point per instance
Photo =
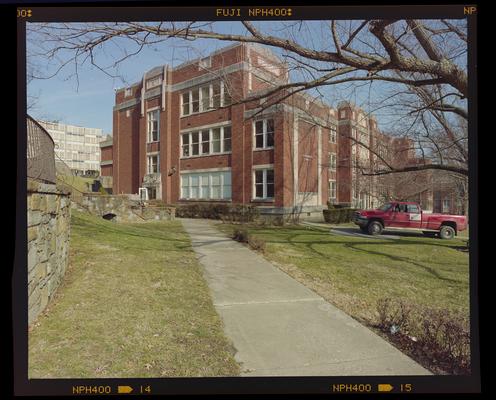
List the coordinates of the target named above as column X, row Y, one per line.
column 207, row 210
column 256, row 244
column 241, row 213
column 440, row 337
column 338, row 215
column 240, row 235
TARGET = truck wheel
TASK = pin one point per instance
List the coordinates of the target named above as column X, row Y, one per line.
column 374, row 228
column 446, row 232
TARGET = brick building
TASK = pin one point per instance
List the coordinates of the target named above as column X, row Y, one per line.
column 106, row 163
column 179, row 134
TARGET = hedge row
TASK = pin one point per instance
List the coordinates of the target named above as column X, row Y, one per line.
column 225, row 212
column 339, row 215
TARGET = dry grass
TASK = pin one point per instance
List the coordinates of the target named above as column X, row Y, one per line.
column 134, row 304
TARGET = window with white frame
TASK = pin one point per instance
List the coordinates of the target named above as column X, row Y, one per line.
column 205, row 98
column 206, row 141
column 332, row 161
column 205, row 63
column 364, row 137
column 185, row 103
column 153, row 166
column 128, row 92
column 333, row 134
column 264, row 133
column 152, row 192
column 332, row 189
column 153, row 126
column 215, row 185
column 263, row 183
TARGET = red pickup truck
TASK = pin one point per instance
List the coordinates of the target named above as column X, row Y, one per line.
column 409, row 215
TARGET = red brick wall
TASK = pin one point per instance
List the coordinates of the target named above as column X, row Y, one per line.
column 307, row 167
column 343, row 175
column 106, row 153
column 106, row 170
column 130, row 147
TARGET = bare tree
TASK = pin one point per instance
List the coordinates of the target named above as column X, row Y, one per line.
column 420, row 67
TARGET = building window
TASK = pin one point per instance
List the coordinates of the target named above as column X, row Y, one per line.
column 152, row 193
column 332, row 161
column 332, row 190
column 128, row 92
column 205, row 63
column 264, row 133
column 263, row 184
column 153, row 164
column 185, row 103
column 333, row 134
column 446, row 206
column 153, row 82
column 206, row 185
column 206, row 141
column 343, row 114
column 153, row 126
column 205, row 98
column 216, row 95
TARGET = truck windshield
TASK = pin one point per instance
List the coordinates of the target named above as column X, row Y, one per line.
column 385, row 207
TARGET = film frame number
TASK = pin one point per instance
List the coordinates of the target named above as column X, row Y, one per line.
column 24, row 13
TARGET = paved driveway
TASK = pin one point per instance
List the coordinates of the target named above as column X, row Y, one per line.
column 280, row 327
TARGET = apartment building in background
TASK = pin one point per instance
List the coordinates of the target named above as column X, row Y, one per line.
column 76, row 146
column 198, row 133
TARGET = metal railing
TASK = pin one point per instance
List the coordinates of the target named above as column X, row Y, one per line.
column 40, row 153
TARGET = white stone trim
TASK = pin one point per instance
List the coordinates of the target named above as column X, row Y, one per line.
column 194, row 171
column 198, row 128
column 262, row 166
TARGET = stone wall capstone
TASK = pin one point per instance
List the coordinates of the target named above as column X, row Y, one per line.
column 48, row 215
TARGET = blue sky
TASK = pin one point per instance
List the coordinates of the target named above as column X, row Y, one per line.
column 89, row 100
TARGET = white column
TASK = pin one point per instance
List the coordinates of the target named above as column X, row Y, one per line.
column 319, row 168
column 295, row 158
column 164, row 85
column 143, row 95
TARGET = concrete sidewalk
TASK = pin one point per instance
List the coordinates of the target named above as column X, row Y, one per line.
column 280, row 327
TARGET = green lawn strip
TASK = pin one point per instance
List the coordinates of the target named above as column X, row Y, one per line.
column 134, row 303
column 354, row 272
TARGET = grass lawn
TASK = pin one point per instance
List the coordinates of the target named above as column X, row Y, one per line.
column 354, row 272
column 78, row 182
column 133, row 303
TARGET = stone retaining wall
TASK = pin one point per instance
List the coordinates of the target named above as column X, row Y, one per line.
column 124, row 209
column 48, row 209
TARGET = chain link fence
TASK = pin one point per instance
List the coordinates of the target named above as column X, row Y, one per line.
column 40, row 153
